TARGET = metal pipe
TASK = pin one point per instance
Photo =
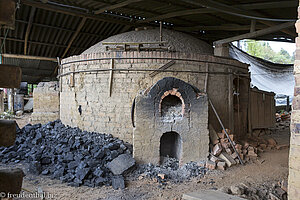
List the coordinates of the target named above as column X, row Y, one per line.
column 146, row 70
column 152, row 58
column 212, row 106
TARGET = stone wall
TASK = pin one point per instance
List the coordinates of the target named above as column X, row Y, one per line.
column 45, row 102
column 85, row 101
column 294, row 156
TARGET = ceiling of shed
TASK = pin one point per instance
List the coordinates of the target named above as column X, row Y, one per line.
column 61, row 28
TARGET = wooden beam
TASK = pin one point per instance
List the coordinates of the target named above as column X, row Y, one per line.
column 224, row 27
column 32, row 12
column 112, row 66
column 253, row 26
column 177, row 14
column 256, row 33
column 41, row 43
column 220, row 7
column 289, row 32
column 28, row 57
column 83, row 20
column 252, row 6
column 118, row 5
column 59, row 9
column 63, row 29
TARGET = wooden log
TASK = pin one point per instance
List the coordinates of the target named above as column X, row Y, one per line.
column 10, row 76
column 7, row 132
column 11, row 181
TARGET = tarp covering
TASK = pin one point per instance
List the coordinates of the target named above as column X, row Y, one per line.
column 265, row 75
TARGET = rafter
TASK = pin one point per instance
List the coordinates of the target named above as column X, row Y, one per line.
column 220, row 7
column 83, row 20
column 32, row 12
column 73, row 12
column 41, row 43
column 256, row 33
column 224, row 27
column 118, row 5
column 252, row 6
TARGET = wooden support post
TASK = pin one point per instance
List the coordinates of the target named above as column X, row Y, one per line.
column 230, row 101
column 206, row 78
column 112, row 65
column 1, row 101
column 253, row 26
column 164, row 67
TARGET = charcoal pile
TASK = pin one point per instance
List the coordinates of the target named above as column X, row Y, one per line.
column 71, row 155
column 170, row 170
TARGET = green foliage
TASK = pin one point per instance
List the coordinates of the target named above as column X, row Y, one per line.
column 263, row 50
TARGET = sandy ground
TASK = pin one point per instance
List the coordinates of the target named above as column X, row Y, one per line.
column 269, row 168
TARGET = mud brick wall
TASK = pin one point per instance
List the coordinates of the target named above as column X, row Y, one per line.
column 191, row 124
column 45, row 102
column 85, row 100
column 294, row 156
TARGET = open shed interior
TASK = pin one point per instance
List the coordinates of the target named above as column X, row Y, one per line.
column 146, row 99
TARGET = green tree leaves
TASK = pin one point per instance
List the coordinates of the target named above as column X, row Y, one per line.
column 262, row 49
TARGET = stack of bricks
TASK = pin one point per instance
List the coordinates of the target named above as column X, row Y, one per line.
column 45, row 102
column 222, row 154
column 294, row 155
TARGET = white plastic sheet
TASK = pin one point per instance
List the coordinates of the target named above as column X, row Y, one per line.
column 265, row 75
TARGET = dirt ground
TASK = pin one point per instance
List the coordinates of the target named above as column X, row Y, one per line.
column 269, row 168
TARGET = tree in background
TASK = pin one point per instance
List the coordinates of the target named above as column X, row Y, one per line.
column 262, row 49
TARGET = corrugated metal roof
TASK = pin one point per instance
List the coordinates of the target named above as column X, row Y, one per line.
column 55, row 23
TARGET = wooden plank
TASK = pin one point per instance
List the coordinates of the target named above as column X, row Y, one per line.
column 206, row 77
column 133, row 43
column 118, row 5
column 28, row 57
column 32, row 12
column 112, row 66
column 225, row 27
column 83, row 20
column 256, row 33
column 164, row 67
column 10, row 76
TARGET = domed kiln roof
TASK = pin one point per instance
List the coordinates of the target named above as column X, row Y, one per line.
column 176, row 41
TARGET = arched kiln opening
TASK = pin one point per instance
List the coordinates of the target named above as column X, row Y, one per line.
column 170, row 145
column 171, row 107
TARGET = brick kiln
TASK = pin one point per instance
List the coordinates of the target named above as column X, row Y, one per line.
column 169, row 80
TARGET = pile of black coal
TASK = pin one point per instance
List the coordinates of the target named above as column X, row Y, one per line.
column 71, row 155
column 170, row 170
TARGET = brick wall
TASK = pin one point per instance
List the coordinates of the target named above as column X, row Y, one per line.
column 294, row 156
column 100, row 112
column 45, row 102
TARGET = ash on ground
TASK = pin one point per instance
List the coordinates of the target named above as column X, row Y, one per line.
column 170, row 171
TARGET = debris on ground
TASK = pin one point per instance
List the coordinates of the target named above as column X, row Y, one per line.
column 170, row 170
column 70, row 154
column 262, row 192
